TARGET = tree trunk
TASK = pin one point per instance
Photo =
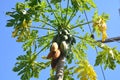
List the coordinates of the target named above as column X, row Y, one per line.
column 60, row 68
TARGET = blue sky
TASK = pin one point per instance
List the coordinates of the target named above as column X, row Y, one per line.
column 10, row 49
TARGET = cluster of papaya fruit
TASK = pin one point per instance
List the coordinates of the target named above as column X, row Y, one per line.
column 61, row 45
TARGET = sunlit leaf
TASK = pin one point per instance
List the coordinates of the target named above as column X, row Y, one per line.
column 83, row 5
column 108, row 57
column 85, row 71
column 99, row 24
column 27, row 67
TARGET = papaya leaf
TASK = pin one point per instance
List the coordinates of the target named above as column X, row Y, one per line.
column 83, row 5
column 27, row 67
column 107, row 56
column 85, row 71
column 32, row 39
column 99, row 24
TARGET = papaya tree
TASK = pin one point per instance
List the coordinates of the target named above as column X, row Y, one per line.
column 58, row 27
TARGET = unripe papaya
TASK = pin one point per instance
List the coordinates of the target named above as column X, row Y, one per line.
column 63, row 46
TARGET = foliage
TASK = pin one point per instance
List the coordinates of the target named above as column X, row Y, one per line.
column 108, row 56
column 84, row 70
column 37, row 23
column 99, row 24
column 83, row 4
column 27, row 67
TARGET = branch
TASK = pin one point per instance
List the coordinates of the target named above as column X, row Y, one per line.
column 114, row 39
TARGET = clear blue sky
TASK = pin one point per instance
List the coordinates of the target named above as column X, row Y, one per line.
column 10, row 49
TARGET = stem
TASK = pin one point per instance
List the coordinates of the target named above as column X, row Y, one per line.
column 53, row 11
column 71, row 17
column 61, row 11
column 47, row 21
column 47, row 35
column 35, row 46
column 66, row 11
column 46, row 45
column 94, row 42
column 48, row 24
column 43, row 48
column 81, row 24
column 43, row 28
column 60, row 68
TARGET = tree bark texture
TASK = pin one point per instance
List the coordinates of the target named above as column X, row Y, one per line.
column 60, row 68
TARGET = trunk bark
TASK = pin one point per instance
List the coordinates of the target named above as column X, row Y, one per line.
column 60, row 68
